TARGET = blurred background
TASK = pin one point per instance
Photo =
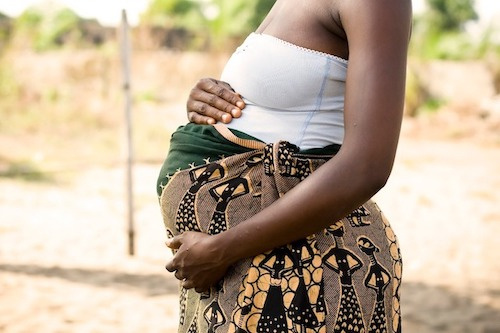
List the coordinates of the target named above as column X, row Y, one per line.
column 64, row 261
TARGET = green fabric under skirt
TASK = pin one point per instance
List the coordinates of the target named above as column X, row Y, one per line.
column 193, row 144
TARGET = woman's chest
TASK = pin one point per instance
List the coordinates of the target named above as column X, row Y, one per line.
column 310, row 24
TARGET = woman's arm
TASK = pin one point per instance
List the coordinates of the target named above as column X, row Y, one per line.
column 211, row 101
column 377, row 32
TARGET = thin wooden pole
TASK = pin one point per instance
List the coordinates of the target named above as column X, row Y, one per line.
column 125, row 55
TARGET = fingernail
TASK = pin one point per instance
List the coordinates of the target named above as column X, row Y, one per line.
column 168, row 242
column 240, row 104
column 226, row 118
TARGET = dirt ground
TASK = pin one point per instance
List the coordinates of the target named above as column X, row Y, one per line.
column 64, row 265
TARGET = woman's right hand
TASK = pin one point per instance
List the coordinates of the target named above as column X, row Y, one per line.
column 211, row 101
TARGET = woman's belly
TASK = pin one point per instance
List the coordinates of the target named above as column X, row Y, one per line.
column 304, row 129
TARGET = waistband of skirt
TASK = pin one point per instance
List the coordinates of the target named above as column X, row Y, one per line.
column 193, row 145
column 210, row 132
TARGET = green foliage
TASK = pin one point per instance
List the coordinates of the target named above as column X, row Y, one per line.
column 451, row 15
column 439, row 32
column 5, row 30
column 24, row 170
column 216, row 20
column 418, row 98
column 62, row 26
column 171, row 13
column 30, row 19
column 428, row 43
column 236, row 18
column 432, row 105
column 48, row 29
column 416, row 92
column 262, row 7
column 9, row 87
column 230, row 18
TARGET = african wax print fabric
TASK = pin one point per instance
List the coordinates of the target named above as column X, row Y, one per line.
column 345, row 278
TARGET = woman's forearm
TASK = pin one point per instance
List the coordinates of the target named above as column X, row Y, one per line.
column 329, row 194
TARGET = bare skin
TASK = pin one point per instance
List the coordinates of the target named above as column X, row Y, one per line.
column 213, row 100
column 373, row 35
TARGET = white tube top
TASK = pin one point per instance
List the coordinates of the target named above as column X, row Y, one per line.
column 291, row 93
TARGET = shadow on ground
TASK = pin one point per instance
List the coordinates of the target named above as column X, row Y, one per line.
column 426, row 309
column 149, row 284
column 429, row 309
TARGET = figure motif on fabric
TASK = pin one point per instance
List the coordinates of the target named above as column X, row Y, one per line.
column 345, row 263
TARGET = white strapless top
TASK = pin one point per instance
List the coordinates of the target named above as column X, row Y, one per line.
column 291, row 93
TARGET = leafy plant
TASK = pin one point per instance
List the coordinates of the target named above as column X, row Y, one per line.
column 216, row 20
column 63, row 26
column 450, row 15
column 439, row 33
column 48, row 29
column 171, row 13
column 5, row 30
column 24, row 170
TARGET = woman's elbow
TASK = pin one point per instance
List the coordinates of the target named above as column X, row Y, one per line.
column 379, row 181
column 376, row 177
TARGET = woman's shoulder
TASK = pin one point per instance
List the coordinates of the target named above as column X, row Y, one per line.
column 378, row 9
column 375, row 22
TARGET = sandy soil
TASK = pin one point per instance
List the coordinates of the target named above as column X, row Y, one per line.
column 64, row 266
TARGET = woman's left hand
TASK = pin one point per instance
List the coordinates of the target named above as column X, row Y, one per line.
column 199, row 261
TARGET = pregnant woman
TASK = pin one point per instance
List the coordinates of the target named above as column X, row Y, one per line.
column 266, row 193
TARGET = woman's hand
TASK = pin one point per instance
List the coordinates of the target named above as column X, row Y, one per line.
column 211, row 101
column 199, row 262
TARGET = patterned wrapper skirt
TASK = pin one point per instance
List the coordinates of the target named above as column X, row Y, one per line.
column 345, row 278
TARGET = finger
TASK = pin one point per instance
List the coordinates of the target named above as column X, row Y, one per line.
column 221, row 92
column 240, row 103
column 221, row 89
column 187, row 284
column 174, row 243
column 236, row 112
column 219, row 82
column 178, row 275
column 200, row 119
column 170, row 266
column 207, row 110
column 229, row 96
column 211, row 105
